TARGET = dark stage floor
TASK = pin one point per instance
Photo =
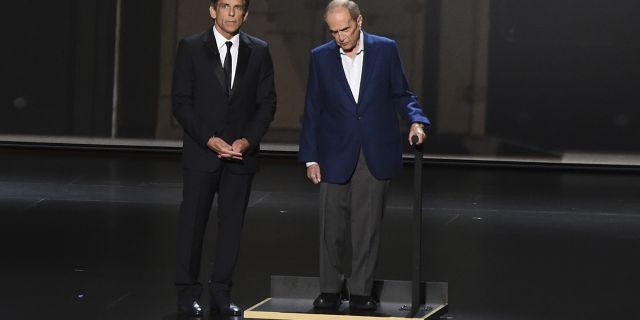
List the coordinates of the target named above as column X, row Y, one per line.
column 90, row 235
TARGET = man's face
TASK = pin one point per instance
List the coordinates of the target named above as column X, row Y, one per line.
column 344, row 28
column 229, row 16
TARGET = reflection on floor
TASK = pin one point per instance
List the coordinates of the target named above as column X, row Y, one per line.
column 90, row 235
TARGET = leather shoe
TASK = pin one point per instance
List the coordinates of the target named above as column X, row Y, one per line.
column 327, row 301
column 193, row 310
column 362, row 304
column 230, row 310
column 221, row 304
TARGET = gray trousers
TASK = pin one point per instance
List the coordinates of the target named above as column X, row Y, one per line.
column 357, row 205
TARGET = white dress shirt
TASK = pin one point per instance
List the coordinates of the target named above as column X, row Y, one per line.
column 222, row 48
column 353, row 67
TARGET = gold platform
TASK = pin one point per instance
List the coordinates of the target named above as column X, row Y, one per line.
column 292, row 298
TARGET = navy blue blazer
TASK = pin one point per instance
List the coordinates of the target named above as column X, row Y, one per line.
column 335, row 128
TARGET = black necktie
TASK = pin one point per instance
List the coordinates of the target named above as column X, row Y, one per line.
column 227, row 67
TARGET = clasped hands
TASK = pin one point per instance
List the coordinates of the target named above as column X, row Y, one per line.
column 225, row 151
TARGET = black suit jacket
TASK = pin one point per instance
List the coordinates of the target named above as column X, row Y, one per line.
column 204, row 109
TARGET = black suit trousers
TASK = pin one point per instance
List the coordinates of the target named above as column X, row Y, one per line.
column 199, row 189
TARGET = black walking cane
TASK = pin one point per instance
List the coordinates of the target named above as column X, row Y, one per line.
column 417, row 225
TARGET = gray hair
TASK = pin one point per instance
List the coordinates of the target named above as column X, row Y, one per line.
column 354, row 9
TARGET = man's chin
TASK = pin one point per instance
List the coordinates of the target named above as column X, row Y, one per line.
column 231, row 30
column 347, row 49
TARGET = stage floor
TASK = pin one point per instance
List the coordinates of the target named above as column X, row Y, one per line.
column 90, row 235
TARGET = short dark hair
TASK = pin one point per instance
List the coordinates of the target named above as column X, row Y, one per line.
column 246, row 4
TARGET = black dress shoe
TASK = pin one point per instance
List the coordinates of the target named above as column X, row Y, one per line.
column 327, row 301
column 188, row 303
column 221, row 305
column 362, row 304
column 230, row 310
column 193, row 310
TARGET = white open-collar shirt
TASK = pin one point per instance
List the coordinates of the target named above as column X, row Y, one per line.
column 353, row 67
column 222, row 48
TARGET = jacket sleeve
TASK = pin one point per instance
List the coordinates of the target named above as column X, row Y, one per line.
column 405, row 101
column 182, row 97
column 266, row 100
column 311, row 118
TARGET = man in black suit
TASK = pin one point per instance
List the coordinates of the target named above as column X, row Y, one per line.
column 224, row 98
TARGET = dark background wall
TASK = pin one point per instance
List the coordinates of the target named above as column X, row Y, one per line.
column 497, row 77
column 565, row 75
column 57, row 67
column 37, row 67
column 139, row 73
column 431, row 66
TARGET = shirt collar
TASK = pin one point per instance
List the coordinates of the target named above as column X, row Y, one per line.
column 360, row 45
column 221, row 40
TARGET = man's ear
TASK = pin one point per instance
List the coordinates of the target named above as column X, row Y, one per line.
column 246, row 14
column 212, row 11
column 359, row 21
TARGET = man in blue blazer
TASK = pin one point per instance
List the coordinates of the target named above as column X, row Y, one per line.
column 351, row 144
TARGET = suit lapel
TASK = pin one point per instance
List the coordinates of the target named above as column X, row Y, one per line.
column 339, row 70
column 212, row 51
column 370, row 56
column 244, row 53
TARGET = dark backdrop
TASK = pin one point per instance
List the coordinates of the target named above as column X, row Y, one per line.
column 57, row 71
column 565, row 75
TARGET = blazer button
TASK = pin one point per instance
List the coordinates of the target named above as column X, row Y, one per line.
column 359, row 117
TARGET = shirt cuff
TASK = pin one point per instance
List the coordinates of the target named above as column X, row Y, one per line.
column 309, row 164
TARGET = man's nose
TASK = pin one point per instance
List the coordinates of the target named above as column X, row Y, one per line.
column 232, row 11
column 342, row 37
